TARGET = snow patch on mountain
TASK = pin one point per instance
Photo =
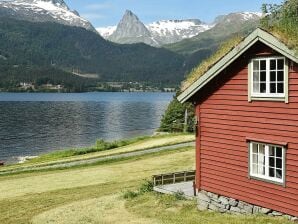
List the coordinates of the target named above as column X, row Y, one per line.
column 105, row 32
column 43, row 11
column 182, row 28
column 251, row 15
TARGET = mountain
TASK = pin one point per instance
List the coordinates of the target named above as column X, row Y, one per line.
column 43, row 52
column 172, row 31
column 224, row 27
column 200, row 47
column 43, row 11
column 131, row 30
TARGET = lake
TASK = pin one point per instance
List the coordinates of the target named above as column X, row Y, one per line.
column 35, row 123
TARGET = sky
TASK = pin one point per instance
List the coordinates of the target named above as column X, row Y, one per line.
column 102, row 13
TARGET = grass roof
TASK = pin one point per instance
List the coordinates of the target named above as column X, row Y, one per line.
column 202, row 68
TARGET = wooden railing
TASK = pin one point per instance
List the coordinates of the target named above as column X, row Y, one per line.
column 172, row 178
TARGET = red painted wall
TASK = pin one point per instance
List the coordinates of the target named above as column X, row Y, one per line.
column 226, row 118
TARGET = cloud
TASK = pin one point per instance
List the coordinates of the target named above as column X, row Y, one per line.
column 90, row 16
column 98, row 6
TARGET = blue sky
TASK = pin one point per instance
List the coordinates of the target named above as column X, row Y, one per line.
column 109, row 12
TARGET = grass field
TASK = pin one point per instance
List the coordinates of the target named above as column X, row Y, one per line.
column 94, row 194
column 138, row 144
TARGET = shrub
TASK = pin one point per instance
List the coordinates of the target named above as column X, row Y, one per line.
column 179, row 195
column 173, row 119
column 130, row 194
column 147, row 186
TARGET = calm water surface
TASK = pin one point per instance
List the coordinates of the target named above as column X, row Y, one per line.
column 35, row 123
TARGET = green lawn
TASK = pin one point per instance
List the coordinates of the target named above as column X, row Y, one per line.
column 94, row 194
column 137, row 144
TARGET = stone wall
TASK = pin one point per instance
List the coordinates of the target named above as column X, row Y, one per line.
column 218, row 203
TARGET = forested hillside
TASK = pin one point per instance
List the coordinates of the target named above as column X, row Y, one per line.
column 39, row 51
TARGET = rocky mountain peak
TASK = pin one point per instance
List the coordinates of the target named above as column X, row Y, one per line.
column 131, row 30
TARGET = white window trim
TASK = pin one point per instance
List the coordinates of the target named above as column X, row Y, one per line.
column 268, row 96
column 266, row 177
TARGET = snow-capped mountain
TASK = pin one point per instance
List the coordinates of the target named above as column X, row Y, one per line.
column 131, row 30
column 171, row 31
column 167, row 31
column 43, row 11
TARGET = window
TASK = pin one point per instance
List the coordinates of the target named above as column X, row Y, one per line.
column 268, row 78
column 267, row 161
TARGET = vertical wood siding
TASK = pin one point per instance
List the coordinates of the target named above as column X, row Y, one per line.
column 227, row 119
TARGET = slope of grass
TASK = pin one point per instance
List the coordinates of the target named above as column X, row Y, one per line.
column 130, row 146
column 27, row 195
column 95, row 195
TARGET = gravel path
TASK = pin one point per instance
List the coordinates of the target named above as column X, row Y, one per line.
column 100, row 159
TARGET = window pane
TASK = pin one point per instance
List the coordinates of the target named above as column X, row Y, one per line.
column 255, row 158
column 262, row 149
column 263, row 64
column 256, row 65
column 278, row 152
column 280, row 88
column 272, row 88
column 263, row 76
column 271, row 162
column 271, row 172
column 262, row 87
column 256, row 87
column 255, row 148
column 272, row 64
column 278, row 173
column 255, row 168
column 272, row 76
column 261, row 170
column 280, row 64
column 280, row 76
column 278, row 163
column 256, row 76
column 271, row 151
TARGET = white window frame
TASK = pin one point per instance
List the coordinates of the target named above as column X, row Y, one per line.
column 268, row 96
column 266, row 177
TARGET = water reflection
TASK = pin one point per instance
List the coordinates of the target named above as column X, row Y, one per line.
column 31, row 124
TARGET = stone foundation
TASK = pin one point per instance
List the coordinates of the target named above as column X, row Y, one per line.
column 218, row 203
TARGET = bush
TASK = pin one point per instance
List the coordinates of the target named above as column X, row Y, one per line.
column 102, row 145
column 147, row 186
column 179, row 195
column 173, row 119
column 130, row 194
column 282, row 20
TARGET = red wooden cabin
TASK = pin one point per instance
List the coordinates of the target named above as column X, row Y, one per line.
column 247, row 117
